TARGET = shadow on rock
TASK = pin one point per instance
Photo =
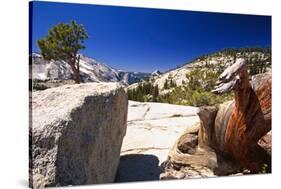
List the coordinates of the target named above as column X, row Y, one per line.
column 138, row 167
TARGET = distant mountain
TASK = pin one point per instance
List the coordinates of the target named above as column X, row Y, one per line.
column 156, row 73
column 90, row 71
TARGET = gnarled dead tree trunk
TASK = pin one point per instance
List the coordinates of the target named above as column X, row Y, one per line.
column 249, row 118
column 226, row 139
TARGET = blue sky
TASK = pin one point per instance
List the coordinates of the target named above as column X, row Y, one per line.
column 142, row 39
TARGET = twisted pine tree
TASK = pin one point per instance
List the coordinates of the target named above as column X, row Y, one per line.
column 63, row 43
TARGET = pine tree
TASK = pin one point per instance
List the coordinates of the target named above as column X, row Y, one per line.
column 166, row 85
column 63, row 42
column 155, row 93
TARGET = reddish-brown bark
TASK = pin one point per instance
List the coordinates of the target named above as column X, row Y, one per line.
column 248, row 119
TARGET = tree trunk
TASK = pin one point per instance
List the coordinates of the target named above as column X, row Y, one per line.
column 241, row 125
column 75, row 66
column 77, row 76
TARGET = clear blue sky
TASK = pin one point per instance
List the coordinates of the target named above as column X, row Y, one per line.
column 141, row 39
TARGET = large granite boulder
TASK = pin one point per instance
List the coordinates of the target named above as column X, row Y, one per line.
column 76, row 133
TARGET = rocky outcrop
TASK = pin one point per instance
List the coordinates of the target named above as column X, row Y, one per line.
column 214, row 62
column 76, row 134
column 152, row 130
